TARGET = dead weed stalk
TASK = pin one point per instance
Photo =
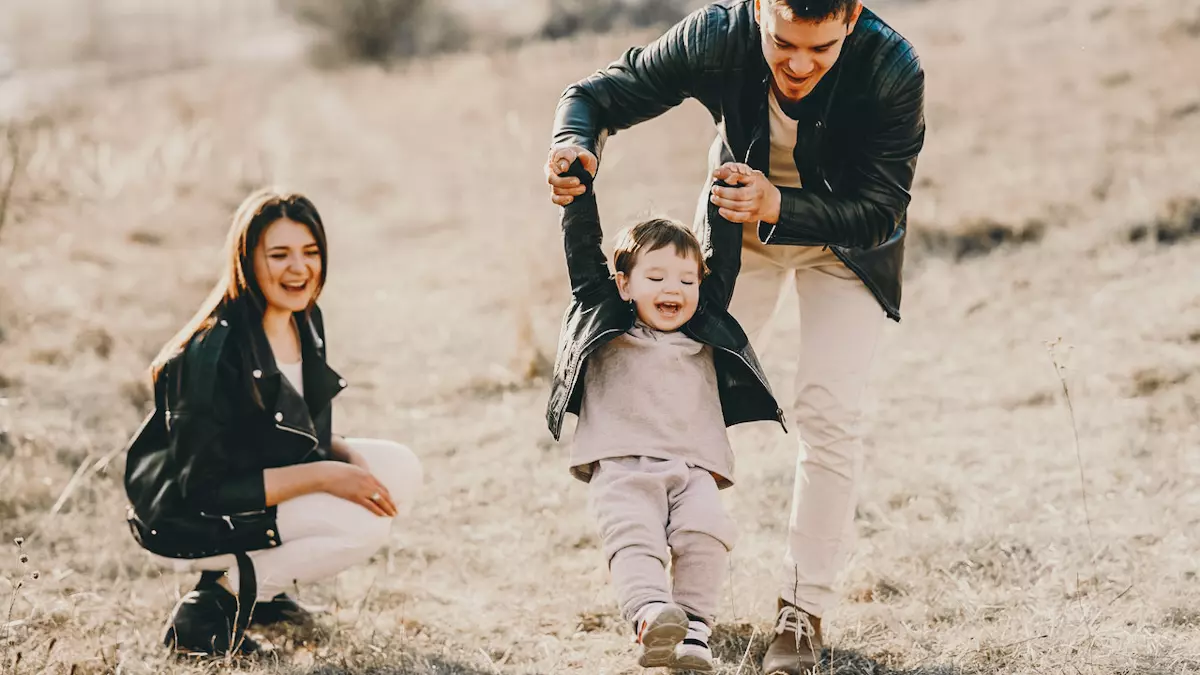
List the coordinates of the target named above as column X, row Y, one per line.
column 1059, row 370
column 13, row 143
column 34, row 575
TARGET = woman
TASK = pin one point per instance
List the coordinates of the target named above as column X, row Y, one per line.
column 236, row 473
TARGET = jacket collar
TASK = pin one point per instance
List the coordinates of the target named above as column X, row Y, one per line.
column 321, row 383
column 811, row 111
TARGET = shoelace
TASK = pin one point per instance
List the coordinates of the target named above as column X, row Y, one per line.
column 790, row 619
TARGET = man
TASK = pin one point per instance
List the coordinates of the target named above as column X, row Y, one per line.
column 826, row 103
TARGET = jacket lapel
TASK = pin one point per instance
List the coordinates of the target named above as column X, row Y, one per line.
column 321, row 383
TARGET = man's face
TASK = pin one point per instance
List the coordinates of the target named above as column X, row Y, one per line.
column 800, row 52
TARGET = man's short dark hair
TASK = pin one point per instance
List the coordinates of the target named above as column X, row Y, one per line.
column 817, row 10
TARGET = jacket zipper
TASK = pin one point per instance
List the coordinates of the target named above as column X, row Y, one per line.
column 300, row 433
column 297, row 432
column 586, row 351
column 892, row 314
column 583, row 354
column 228, row 518
column 820, row 127
column 763, row 382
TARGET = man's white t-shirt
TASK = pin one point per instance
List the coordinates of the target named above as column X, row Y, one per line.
column 783, row 173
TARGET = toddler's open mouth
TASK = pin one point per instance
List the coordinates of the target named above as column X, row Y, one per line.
column 668, row 309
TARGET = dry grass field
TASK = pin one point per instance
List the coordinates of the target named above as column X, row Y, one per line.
column 1010, row 521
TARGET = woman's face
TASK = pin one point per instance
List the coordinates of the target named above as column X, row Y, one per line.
column 287, row 264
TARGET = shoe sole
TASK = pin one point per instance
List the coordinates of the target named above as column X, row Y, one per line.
column 246, row 648
column 795, row 668
column 692, row 663
column 659, row 640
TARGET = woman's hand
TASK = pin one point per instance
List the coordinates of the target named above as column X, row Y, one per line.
column 356, row 484
column 754, row 199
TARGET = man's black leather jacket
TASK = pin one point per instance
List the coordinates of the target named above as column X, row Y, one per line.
column 859, row 134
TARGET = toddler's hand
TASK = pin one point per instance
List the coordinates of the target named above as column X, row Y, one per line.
column 564, row 189
column 752, row 199
column 733, row 172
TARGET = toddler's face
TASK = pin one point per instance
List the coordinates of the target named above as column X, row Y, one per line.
column 664, row 286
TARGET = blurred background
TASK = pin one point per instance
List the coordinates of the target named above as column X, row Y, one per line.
column 1032, row 491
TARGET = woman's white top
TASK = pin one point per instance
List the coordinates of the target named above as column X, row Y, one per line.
column 294, row 372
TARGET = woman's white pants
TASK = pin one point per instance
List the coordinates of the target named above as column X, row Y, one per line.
column 322, row 534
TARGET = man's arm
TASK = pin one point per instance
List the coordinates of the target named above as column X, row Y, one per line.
column 875, row 192
column 644, row 83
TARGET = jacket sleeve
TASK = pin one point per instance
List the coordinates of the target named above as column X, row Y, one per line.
column 202, row 419
column 875, row 192
column 723, row 255
column 644, row 83
column 583, row 240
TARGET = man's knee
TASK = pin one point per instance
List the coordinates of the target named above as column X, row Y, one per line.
column 827, row 415
column 830, row 426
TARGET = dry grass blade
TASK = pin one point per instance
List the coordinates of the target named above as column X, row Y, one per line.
column 1059, row 369
column 746, row 655
column 76, row 480
column 13, row 145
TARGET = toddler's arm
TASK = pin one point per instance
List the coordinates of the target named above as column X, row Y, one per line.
column 583, row 239
column 723, row 254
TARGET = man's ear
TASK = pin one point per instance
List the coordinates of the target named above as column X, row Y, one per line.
column 623, row 286
column 854, row 14
column 758, row 12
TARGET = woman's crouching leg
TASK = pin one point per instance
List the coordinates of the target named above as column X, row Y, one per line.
column 321, row 535
column 396, row 466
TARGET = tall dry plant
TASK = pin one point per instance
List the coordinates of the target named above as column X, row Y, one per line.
column 380, row 31
column 573, row 17
column 11, row 168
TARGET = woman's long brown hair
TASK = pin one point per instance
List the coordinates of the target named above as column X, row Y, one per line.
column 238, row 281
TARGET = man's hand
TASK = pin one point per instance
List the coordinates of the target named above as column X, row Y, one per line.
column 564, row 190
column 754, row 199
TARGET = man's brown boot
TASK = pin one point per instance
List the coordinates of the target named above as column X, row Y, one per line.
column 797, row 646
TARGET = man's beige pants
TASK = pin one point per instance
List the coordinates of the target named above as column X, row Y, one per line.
column 840, row 324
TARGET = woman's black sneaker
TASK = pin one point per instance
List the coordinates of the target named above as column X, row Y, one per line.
column 203, row 624
column 281, row 609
